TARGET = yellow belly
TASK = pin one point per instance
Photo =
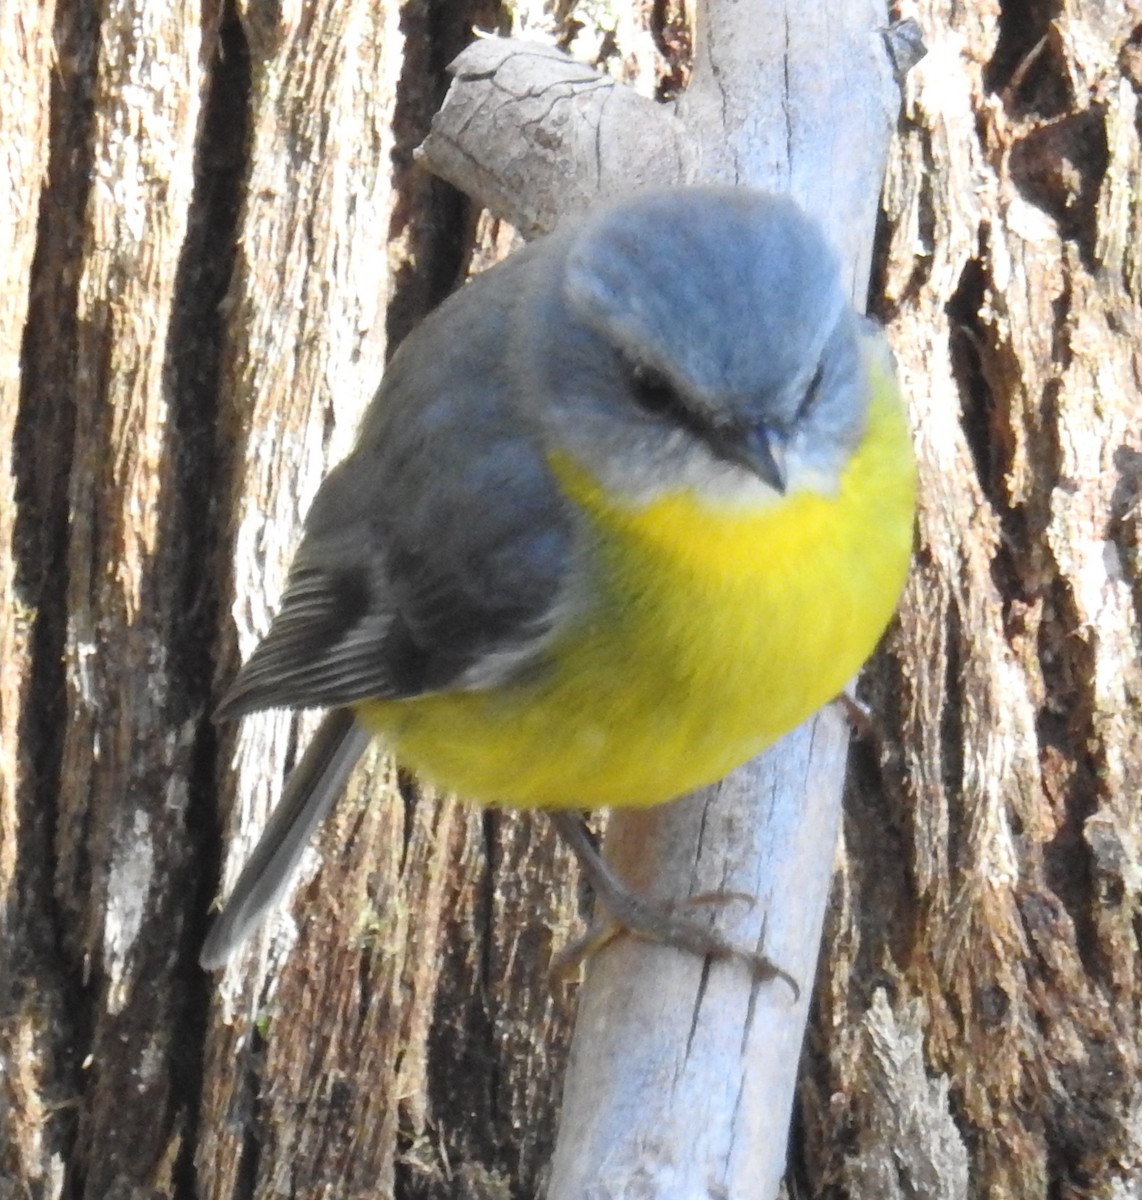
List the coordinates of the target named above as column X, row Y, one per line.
column 716, row 631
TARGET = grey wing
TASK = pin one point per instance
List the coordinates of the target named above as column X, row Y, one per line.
column 436, row 555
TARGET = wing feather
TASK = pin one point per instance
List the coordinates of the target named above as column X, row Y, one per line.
column 435, row 556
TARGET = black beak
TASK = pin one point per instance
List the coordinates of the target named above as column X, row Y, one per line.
column 755, row 447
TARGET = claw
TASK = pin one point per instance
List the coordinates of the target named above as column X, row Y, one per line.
column 633, row 915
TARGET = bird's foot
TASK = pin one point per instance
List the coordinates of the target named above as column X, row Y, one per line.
column 628, row 913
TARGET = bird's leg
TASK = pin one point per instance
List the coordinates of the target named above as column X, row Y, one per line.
column 629, row 913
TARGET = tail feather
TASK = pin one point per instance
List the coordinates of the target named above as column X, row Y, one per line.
column 309, row 795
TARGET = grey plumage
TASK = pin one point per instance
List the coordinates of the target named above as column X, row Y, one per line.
column 309, row 794
column 439, row 542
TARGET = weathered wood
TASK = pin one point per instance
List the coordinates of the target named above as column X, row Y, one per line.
column 365, row 1044
column 28, row 1042
column 535, row 135
column 682, row 1078
column 976, row 1011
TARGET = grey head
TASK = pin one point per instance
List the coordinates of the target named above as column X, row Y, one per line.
column 700, row 337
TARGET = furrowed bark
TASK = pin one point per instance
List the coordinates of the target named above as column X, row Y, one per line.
column 216, row 230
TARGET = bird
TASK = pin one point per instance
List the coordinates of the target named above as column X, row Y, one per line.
column 625, row 509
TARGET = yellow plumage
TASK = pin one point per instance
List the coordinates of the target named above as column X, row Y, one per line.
column 716, row 630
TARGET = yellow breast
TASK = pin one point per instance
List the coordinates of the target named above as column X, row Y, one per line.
column 716, row 630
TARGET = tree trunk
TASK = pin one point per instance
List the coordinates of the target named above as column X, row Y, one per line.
column 215, row 234
column 977, row 1027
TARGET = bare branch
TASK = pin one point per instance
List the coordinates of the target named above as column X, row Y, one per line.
column 682, row 1076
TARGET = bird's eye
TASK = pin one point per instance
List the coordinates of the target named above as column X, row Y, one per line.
column 652, row 391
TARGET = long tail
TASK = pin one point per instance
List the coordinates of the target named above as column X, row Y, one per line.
column 309, row 794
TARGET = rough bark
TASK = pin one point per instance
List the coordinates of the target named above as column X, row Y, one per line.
column 363, row 1050
column 978, row 1018
column 214, row 232
column 30, row 1025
